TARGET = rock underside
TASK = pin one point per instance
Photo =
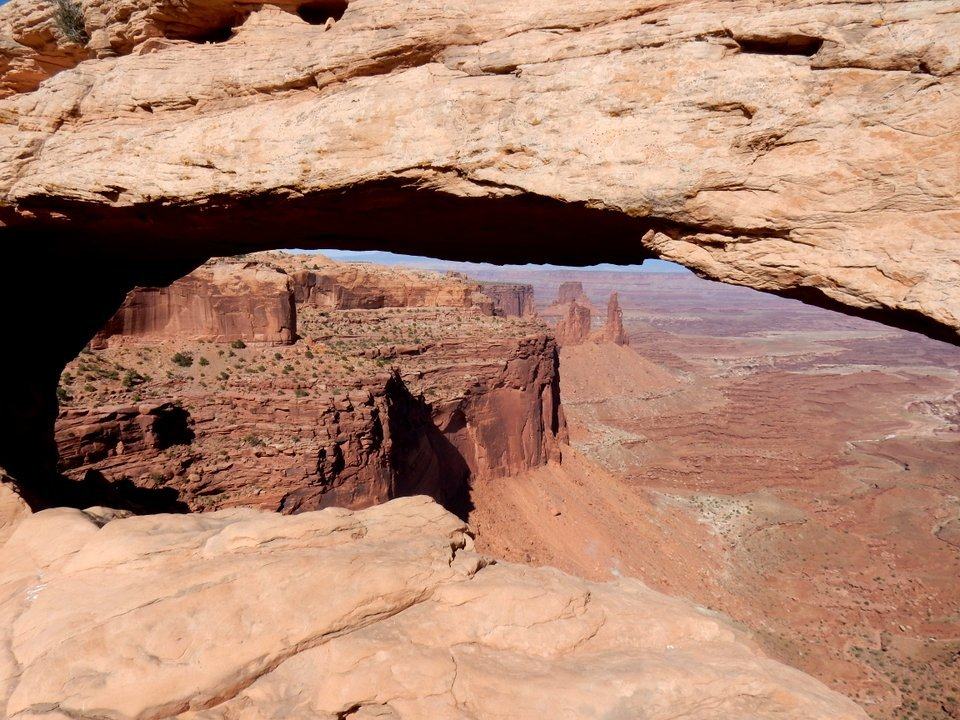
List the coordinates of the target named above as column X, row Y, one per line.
column 798, row 147
column 381, row 613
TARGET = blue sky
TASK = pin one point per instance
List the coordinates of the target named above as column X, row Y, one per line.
column 388, row 258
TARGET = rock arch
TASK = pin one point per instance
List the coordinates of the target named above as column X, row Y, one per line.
column 567, row 132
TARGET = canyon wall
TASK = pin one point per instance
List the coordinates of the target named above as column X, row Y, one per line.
column 510, row 299
column 419, row 400
column 219, row 302
column 322, row 283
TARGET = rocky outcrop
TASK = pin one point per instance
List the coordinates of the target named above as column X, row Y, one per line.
column 612, row 331
column 727, row 176
column 219, row 302
column 326, row 284
column 571, row 291
column 476, row 398
column 86, row 436
column 13, row 507
column 34, row 44
column 574, row 327
column 385, row 613
column 510, row 299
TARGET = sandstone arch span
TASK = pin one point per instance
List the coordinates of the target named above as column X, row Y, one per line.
column 802, row 148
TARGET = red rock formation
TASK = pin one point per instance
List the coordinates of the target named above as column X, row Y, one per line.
column 571, row 291
column 574, row 327
column 218, row 302
column 89, row 435
column 478, row 399
column 323, row 283
column 613, row 331
column 510, row 299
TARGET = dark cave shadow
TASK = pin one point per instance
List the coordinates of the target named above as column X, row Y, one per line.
column 425, row 462
column 95, row 489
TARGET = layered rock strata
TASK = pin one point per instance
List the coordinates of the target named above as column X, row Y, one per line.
column 510, row 299
column 384, row 613
column 782, row 167
column 330, row 285
column 219, row 302
column 367, row 406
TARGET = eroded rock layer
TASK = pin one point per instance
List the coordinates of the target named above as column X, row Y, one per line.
column 219, row 302
column 367, row 405
column 384, row 613
column 804, row 148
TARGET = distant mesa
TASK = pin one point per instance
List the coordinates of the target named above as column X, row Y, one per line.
column 572, row 291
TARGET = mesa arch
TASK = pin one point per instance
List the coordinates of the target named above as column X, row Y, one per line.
column 807, row 149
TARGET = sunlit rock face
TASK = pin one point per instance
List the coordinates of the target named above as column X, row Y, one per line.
column 799, row 147
column 400, row 382
column 219, row 302
column 385, row 613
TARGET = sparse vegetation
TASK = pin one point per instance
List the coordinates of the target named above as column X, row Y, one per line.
column 238, row 345
column 182, row 359
column 69, row 19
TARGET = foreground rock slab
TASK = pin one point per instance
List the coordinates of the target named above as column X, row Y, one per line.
column 385, row 613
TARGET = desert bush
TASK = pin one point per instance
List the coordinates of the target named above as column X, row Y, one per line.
column 203, row 362
column 183, row 359
column 132, row 378
column 238, row 344
column 69, row 18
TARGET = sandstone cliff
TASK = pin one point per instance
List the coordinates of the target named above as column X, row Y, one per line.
column 573, row 328
column 804, row 148
column 384, row 613
column 510, row 299
column 219, row 302
column 323, row 283
column 571, row 291
column 368, row 405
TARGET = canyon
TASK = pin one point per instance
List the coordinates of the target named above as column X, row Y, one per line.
column 791, row 467
column 417, row 387
column 376, row 462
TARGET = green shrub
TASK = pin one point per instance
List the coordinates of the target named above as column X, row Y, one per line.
column 69, row 19
column 132, row 378
column 183, row 359
column 238, row 344
column 203, row 362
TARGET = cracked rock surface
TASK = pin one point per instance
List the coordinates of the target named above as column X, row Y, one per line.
column 804, row 147
column 385, row 612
